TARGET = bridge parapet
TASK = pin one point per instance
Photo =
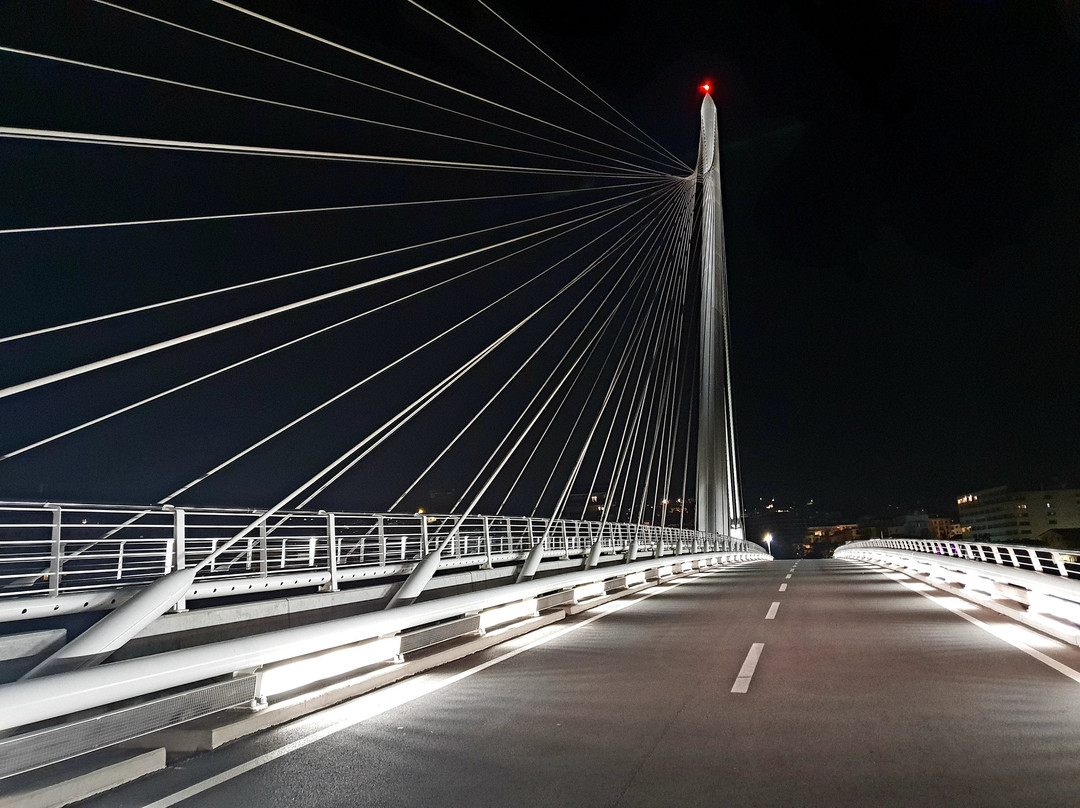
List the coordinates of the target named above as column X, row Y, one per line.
column 1039, row 586
column 65, row 558
column 197, row 681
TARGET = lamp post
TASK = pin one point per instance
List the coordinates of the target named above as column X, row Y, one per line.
column 768, row 542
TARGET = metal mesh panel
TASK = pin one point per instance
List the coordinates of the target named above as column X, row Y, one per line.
column 36, row 749
column 554, row 599
column 424, row 637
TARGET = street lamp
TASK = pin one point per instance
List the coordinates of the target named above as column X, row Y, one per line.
column 768, row 542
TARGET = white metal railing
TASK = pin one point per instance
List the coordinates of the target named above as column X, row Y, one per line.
column 1046, row 560
column 1038, row 586
column 63, row 550
column 28, row 702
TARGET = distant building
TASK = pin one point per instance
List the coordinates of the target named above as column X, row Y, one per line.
column 1062, row 538
column 787, row 526
column 998, row 514
column 943, row 527
column 586, row 506
column 915, row 525
column 821, row 540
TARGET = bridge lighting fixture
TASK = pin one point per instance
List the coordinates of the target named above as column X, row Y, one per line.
column 589, row 591
column 508, row 613
column 293, row 675
column 635, row 579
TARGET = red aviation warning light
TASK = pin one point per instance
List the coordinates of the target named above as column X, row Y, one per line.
column 706, row 87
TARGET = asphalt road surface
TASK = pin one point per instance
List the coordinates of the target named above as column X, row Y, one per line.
column 816, row 683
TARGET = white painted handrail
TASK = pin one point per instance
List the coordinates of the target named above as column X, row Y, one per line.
column 1044, row 597
column 61, row 558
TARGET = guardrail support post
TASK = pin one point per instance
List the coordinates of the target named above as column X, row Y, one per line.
column 487, row 544
column 381, row 523
column 118, row 626
column 332, row 553
column 264, row 552
column 532, row 563
column 179, row 554
column 594, row 555
column 419, row 577
column 55, row 562
column 631, row 551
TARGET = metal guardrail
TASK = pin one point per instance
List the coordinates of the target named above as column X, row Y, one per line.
column 83, row 557
column 1045, row 560
column 1039, row 586
column 363, row 639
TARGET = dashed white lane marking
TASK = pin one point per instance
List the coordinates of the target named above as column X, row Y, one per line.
column 746, row 672
column 787, row 576
column 783, row 587
column 380, row 701
column 772, row 610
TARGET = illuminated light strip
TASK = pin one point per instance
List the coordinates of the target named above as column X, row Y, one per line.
column 589, row 591
column 1001, row 634
column 635, row 579
column 507, row 613
column 384, row 700
column 664, row 572
column 294, row 675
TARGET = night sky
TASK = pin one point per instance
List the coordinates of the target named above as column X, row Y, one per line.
column 902, row 198
column 902, row 204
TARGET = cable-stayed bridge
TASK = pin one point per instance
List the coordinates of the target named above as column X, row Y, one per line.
column 398, row 344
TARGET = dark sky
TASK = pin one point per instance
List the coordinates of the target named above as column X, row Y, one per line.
column 902, row 203
column 902, row 196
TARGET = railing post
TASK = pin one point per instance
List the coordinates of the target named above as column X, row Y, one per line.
column 1036, row 562
column 487, row 542
column 332, row 552
column 264, row 552
column 179, row 554
column 423, row 536
column 1059, row 565
column 55, row 564
column 381, row 524
column 565, row 541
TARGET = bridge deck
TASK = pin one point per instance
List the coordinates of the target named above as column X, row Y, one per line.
column 866, row 693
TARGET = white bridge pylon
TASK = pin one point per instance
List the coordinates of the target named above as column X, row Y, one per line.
column 719, row 498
